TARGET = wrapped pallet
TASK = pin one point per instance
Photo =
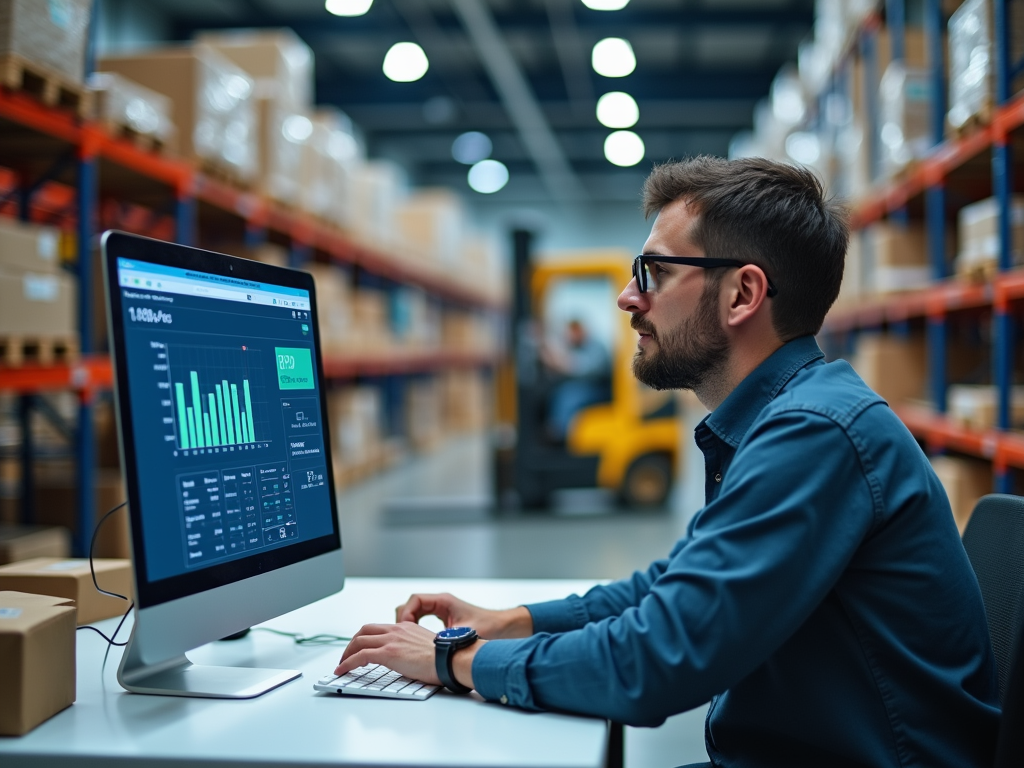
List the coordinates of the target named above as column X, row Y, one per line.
column 126, row 106
column 377, row 191
column 52, row 35
column 356, row 426
column 978, row 233
column 432, row 222
column 213, row 104
column 334, row 302
column 897, row 258
column 329, row 164
column 905, row 106
column 281, row 66
column 973, row 406
column 965, row 481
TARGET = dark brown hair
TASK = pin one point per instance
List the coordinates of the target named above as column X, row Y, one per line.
column 771, row 214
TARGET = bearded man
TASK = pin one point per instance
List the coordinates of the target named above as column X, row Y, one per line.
column 821, row 600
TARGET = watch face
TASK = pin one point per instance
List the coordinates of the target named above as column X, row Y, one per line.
column 454, row 633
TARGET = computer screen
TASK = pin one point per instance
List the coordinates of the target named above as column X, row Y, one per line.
column 224, row 430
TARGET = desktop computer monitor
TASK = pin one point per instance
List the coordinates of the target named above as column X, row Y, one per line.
column 224, row 443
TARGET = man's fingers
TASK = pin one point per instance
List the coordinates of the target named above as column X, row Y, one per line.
column 419, row 606
column 364, row 639
column 410, row 611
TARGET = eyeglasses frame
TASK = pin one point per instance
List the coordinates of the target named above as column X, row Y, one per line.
column 693, row 261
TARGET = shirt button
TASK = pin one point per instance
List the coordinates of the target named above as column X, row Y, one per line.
column 718, row 477
column 503, row 699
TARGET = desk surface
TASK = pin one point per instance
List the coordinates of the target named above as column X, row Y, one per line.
column 293, row 724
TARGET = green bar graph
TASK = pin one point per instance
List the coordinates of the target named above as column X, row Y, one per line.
column 179, row 393
column 197, row 410
column 238, row 420
column 214, row 418
column 248, row 411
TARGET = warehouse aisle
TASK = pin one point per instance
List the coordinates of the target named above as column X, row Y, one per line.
column 585, row 538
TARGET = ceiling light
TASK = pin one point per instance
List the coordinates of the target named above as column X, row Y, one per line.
column 405, row 62
column 613, row 57
column 471, row 147
column 617, row 110
column 624, row 148
column 487, row 176
column 348, row 7
column 606, row 5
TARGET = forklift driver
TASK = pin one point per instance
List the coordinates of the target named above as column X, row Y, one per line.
column 821, row 599
column 584, row 368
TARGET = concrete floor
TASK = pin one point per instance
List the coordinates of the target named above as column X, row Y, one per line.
column 428, row 517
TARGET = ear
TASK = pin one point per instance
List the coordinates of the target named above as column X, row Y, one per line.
column 747, row 294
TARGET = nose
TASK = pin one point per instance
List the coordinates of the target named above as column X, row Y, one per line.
column 631, row 300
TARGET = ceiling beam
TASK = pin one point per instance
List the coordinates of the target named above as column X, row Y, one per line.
column 523, row 109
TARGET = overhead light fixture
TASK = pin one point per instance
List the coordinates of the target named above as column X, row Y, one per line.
column 405, row 62
column 606, row 5
column 348, row 7
column 487, row 177
column 617, row 110
column 471, row 147
column 613, row 57
column 624, row 148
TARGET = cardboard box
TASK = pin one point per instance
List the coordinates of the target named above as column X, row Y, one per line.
column 37, row 659
column 126, row 104
column 54, row 34
column 432, row 223
column 38, row 305
column 56, row 503
column 377, row 192
column 895, row 368
column 974, row 405
column 966, row 480
column 334, row 303
column 26, row 542
column 72, row 579
column 28, row 247
column 978, row 231
column 213, row 100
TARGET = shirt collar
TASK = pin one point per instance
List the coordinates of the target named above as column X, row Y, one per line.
column 731, row 420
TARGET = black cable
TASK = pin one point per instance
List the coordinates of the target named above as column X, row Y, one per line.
column 300, row 639
column 92, row 547
column 92, row 569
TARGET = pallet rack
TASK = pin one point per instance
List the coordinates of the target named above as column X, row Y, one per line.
column 955, row 171
column 62, row 168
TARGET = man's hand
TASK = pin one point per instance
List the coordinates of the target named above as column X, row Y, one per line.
column 491, row 625
column 406, row 648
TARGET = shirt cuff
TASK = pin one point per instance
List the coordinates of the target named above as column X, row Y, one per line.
column 556, row 616
column 499, row 672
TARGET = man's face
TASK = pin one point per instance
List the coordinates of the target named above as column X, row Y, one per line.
column 682, row 343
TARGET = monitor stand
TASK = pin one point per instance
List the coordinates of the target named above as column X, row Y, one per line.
column 180, row 677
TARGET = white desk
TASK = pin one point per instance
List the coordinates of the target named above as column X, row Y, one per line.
column 294, row 725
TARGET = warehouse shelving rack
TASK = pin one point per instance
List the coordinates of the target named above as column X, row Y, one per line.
column 65, row 167
column 954, row 166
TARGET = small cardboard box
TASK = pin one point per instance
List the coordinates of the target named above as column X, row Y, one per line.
column 37, row 305
column 25, row 542
column 71, row 579
column 966, row 480
column 37, row 659
column 28, row 247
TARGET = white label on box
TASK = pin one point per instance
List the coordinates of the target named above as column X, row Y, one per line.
column 61, row 13
column 66, row 565
column 10, row 613
column 41, row 287
column 46, row 244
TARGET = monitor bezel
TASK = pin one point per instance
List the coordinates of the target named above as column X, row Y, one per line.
column 115, row 245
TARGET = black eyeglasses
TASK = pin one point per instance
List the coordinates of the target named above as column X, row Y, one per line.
column 645, row 277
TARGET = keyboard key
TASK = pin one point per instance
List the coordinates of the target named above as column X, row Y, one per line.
column 328, row 679
column 395, row 686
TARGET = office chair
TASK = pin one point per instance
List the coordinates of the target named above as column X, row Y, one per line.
column 994, row 540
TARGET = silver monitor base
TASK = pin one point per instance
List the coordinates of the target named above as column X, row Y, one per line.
column 180, row 677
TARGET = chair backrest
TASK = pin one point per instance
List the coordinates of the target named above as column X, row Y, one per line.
column 994, row 540
column 1010, row 749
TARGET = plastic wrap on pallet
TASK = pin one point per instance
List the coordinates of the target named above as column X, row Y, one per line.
column 905, row 104
column 53, row 33
column 978, row 232
column 970, row 61
column 329, row 162
column 128, row 104
column 378, row 190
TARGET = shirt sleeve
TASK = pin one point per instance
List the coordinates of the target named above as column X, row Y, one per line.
column 794, row 506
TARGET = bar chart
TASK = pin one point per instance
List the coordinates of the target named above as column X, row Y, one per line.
column 217, row 396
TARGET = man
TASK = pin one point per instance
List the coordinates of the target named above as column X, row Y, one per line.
column 821, row 599
column 585, row 368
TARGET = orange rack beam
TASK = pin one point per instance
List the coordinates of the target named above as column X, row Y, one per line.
column 88, row 374
column 1005, row 449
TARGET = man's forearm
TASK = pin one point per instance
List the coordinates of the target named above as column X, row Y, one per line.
column 519, row 623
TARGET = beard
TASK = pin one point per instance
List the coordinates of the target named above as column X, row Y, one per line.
column 687, row 357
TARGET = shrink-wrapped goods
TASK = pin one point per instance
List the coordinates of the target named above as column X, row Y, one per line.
column 378, row 190
column 965, row 481
column 905, row 107
column 897, row 258
column 124, row 104
column 281, row 66
column 213, row 104
column 978, row 230
column 432, row 223
column 974, row 405
column 53, row 34
column 329, row 165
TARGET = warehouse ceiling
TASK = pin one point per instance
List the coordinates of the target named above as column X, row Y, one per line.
column 520, row 72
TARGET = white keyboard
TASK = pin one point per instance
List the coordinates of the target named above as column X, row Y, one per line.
column 376, row 680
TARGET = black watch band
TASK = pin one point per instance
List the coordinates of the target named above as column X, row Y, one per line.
column 446, row 643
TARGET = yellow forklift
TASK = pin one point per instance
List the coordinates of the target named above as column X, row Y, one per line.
column 627, row 445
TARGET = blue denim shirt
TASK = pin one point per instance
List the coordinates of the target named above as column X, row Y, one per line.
column 821, row 599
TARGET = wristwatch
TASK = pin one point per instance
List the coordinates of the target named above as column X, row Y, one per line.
column 446, row 643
